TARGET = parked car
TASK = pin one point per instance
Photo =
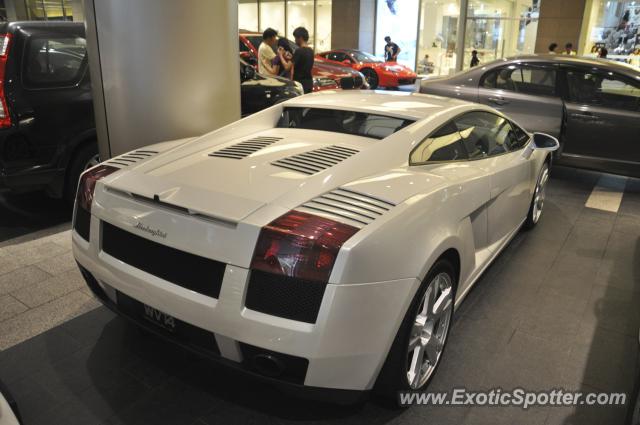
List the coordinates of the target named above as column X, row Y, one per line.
column 259, row 91
column 591, row 105
column 377, row 72
column 47, row 126
column 322, row 242
column 326, row 76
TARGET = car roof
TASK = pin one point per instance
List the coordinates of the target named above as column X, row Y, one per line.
column 408, row 105
column 571, row 60
column 13, row 26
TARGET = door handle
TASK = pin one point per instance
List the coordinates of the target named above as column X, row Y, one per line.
column 585, row 117
column 499, row 100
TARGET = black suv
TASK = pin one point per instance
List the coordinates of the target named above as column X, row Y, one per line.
column 47, row 125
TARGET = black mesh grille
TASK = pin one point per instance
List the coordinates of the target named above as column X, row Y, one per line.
column 190, row 271
column 82, row 223
column 283, row 296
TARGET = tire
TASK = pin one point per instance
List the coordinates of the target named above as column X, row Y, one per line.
column 396, row 372
column 537, row 202
column 85, row 157
column 371, row 77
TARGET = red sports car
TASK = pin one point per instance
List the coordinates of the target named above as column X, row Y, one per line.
column 326, row 75
column 377, row 72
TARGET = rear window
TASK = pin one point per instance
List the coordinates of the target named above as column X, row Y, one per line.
column 54, row 61
column 338, row 121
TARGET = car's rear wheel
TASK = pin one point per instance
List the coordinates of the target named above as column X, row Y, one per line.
column 537, row 202
column 371, row 77
column 421, row 339
column 85, row 158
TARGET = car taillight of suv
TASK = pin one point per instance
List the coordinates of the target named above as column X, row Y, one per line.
column 5, row 44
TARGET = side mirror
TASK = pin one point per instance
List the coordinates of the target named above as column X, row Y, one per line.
column 544, row 142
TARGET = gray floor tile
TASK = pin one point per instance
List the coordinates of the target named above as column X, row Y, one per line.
column 50, row 289
column 21, row 277
column 9, row 307
column 59, row 264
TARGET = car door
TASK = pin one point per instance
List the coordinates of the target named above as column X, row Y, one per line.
column 494, row 141
column 603, row 118
column 53, row 101
column 527, row 93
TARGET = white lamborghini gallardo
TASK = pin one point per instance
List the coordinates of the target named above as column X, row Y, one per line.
column 322, row 243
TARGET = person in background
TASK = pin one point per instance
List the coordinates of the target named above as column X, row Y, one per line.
column 283, row 59
column 552, row 48
column 303, row 59
column 266, row 53
column 603, row 52
column 474, row 59
column 391, row 50
column 426, row 65
column 568, row 49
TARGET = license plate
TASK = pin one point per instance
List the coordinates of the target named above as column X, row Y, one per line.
column 159, row 318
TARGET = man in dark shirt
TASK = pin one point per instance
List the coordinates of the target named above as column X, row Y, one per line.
column 303, row 60
column 391, row 50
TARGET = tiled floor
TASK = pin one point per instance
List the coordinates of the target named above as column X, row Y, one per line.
column 558, row 309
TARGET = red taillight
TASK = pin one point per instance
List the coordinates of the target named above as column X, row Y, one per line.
column 5, row 43
column 300, row 245
column 87, row 185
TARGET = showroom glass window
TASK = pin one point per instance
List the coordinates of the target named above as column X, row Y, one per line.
column 398, row 20
column 248, row 15
column 300, row 14
column 52, row 62
column 272, row 15
column 606, row 90
column 445, row 144
column 528, row 79
column 500, row 28
column 438, row 36
column 49, row 10
column 485, row 134
column 615, row 25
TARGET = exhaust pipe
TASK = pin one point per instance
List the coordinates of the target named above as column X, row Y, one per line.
column 268, row 365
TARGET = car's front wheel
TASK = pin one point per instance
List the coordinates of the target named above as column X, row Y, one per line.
column 419, row 344
column 371, row 77
column 537, row 202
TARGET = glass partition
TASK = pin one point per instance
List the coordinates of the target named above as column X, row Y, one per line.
column 300, row 13
column 398, row 20
column 272, row 15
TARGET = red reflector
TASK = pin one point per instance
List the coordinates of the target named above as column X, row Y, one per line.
column 5, row 44
column 87, row 185
column 300, row 245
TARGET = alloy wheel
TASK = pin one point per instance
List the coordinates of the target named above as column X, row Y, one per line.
column 538, row 197
column 429, row 330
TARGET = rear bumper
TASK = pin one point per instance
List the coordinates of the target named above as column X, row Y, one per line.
column 344, row 349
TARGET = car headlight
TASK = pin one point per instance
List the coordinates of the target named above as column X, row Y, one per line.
column 298, row 88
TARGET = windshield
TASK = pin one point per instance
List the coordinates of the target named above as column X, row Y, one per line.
column 365, row 57
column 338, row 121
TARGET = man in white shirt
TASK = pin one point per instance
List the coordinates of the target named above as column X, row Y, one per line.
column 266, row 52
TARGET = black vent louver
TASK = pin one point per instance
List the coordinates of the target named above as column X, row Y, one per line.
column 316, row 160
column 245, row 148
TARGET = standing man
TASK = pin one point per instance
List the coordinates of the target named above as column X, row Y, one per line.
column 266, row 53
column 391, row 50
column 303, row 59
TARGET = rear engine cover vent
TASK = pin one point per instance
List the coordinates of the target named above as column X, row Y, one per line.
column 349, row 206
column 245, row 148
column 316, row 160
column 131, row 158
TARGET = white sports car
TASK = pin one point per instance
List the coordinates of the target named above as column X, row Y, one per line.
column 321, row 243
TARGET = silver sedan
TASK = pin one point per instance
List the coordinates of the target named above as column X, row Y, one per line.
column 592, row 106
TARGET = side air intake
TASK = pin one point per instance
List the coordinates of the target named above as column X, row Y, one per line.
column 131, row 158
column 347, row 206
column 316, row 160
column 245, row 148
